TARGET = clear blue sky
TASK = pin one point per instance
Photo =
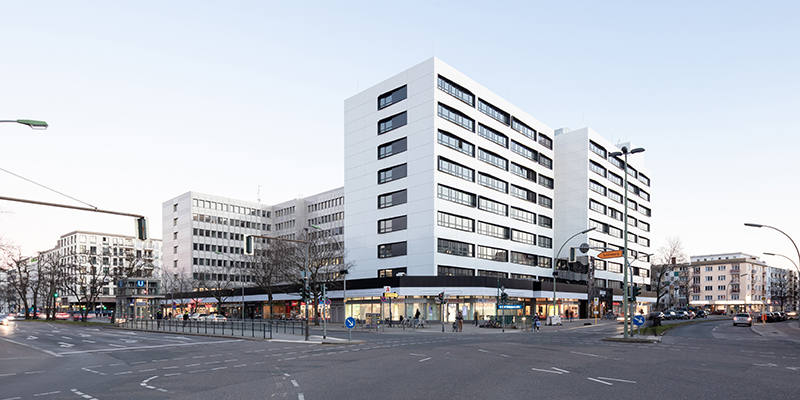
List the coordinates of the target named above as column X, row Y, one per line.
column 149, row 99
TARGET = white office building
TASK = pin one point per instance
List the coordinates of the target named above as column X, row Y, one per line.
column 590, row 193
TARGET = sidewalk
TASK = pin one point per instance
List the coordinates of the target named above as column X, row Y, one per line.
column 787, row 330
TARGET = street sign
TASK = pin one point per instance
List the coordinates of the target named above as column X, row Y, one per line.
column 763, row 298
column 383, row 298
column 584, row 248
column 387, row 289
column 596, row 301
column 327, row 302
column 638, row 320
column 350, row 323
column 610, row 254
column 390, row 295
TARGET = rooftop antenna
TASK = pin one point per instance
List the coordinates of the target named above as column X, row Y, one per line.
column 258, row 194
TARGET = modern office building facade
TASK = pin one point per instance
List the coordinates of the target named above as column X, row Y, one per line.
column 590, row 194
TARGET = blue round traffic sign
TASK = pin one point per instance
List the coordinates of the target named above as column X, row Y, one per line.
column 638, row 320
column 350, row 323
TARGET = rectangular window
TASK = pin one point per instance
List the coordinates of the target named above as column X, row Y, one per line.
column 545, row 161
column 393, row 122
column 545, row 222
column 456, row 222
column 392, row 148
column 597, row 243
column 615, row 178
column 492, row 182
column 456, row 196
column 391, row 97
column 632, row 205
column 456, row 91
column 595, row 206
column 493, row 159
column 454, row 271
column 522, row 215
column 644, row 241
column 493, row 112
column 545, row 141
column 632, row 171
column 597, row 187
column 523, row 129
column 525, row 151
column 392, row 173
column 392, row 250
column 522, row 193
column 616, row 162
column 599, row 226
column 493, row 135
column 644, row 210
column 597, row 149
column 523, row 237
column 644, row 179
column 597, row 168
column 496, row 231
column 644, row 226
column 523, row 172
column 545, row 202
column 392, row 224
column 545, row 181
column 492, row 274
column 545, row 242
column 615, row 196
column 615, row 232
column 614, row 267
column 492, row 206
column 456, row 117
column 720, row 287
column 491, row 253
column 709, row 288
column 456, row 169
column 454, row 142
column 392, row 199
column 456, row 248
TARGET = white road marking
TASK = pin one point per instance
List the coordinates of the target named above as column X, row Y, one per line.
column 587, row 354
column 547, row 370
column 616, row 380
column 299, row 396
column 89, row 341
column 598, row 380
column 506, row 356
column 191, row 365
column 46, row 394
column 285, row 374
column 294, row 382
column 147, row 370
column 483, row 351
column 425, row 359
column 173, row 374
column 560, row 370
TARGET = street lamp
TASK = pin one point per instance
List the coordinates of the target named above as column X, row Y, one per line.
column 241, row 277
column 795, row 249
column 625, row 151
column 798, row 271
column 555, row 264
column 305, row 280
column 34, row 124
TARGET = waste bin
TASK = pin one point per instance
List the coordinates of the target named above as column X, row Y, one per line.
column 553, row 320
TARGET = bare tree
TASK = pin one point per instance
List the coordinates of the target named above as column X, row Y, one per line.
column 659, row 274
column 779, row 290
column 269, row 267
column 218, row 282
column 672, row 256
column 18, row 274
column 177, row 283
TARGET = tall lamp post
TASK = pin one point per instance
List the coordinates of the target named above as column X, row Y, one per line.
column 555, row 264
column 790, row 239
column 625, row 151
column 796, row 294
column 34, row 124
column 240, row 277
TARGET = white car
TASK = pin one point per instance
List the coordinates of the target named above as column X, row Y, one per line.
column 742, row 319
column 216, row 318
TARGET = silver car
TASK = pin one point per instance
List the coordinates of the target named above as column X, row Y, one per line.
column 743, row 319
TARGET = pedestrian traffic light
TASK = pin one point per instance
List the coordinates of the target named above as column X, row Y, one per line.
column 504, row 297
column 248, row 245
column 441, row 297
column 141, row 228
column 55, row 294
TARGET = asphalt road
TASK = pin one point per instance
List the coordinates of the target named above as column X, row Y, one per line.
column 709, row 359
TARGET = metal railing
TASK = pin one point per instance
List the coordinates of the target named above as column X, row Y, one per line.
column 252, row 328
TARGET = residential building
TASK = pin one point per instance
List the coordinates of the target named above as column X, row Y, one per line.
column 732, row 282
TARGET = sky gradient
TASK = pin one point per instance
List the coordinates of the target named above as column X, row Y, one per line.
column 147, row 100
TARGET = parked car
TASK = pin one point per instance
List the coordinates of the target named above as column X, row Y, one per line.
column 656, row 314
column 701, row 314
column 683, row 314
column 742, row 319
column 782, row 316
column 216, row 318
column 719, row 312
column 791, row 315
column 198, row 317
column 62, row 316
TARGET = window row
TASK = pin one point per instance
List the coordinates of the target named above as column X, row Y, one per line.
column 213, row 219
column 392, row 97
column 463, row 249
column 616, row 161
column 217, row 234
column 326, row 204
column 324, row 219
column 213, row 205
column 602, row 190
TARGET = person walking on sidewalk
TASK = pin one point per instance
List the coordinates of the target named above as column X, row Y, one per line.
column 536, row 323
column 477, row 316
column 460, row 320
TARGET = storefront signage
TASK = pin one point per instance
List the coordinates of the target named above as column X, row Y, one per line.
column 511, row 306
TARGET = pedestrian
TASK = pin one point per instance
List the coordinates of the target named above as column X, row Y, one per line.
column 159, row 315
column 536, row 322
column 476, row 318
column 416, row 316
column 569, row 315
column 185, row 318
column 460, row 320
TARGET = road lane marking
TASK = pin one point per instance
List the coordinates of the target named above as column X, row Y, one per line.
column 33, row 372
column 587, row 354
column 84, row 395
column 173, row 374
column 547, row 370
column 425, row 359
column 136, row 348
column 616, row 380
column 598, row 380
column 483, row 351
column 147, row 370
column 46, row 394
column 191, row 365
column 294, row 382
column 560, row 370
column 299, row 396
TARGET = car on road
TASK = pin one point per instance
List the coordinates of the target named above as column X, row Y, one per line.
column 791, row 315
column 198, row 317
column 656, row 314
column 4, row 319
column 742, row 319
column 782, row 316
column 701, row 314
column 62, row 316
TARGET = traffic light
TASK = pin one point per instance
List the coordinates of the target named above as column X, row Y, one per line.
column 573, row 254
column 248, row 245
column 636, row 291
column 141, row 228
column 55, row 294
column 441, row 297
column 504, row 297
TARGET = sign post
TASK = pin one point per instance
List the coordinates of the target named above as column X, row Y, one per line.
column 350, row 323
column 638, row 321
